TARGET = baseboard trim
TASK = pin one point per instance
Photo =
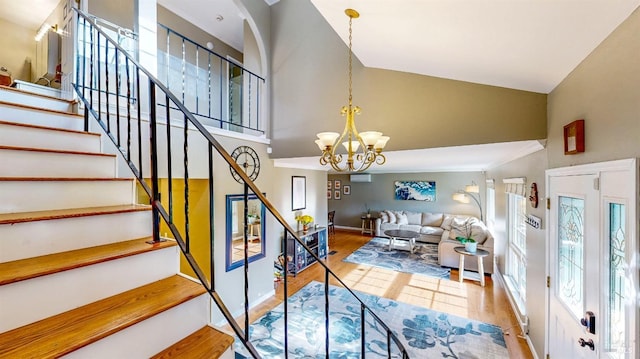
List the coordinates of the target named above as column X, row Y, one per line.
column 514, row 307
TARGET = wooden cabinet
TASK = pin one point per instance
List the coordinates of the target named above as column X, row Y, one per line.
column 316, row 240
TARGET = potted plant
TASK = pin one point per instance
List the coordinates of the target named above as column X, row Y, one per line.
column 367, row 211
column 305, row 220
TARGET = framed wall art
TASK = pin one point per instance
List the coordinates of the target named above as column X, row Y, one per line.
column 336, row 184
column 574, row 137
column 415, row 190
column 298, row 192
column 346, row 189
column 336, row 194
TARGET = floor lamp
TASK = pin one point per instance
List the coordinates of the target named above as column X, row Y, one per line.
column 469, row 190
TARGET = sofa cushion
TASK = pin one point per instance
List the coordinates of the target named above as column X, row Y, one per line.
column 431, row 219
column 478, row 230
column 446, row 222
column 414, row 217
column 401, row 218
column 410, row 227
column 433, row 231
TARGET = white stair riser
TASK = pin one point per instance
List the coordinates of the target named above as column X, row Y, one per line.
column 35, row 101
column 20, row 136
column 41, row 118
column 37, row 238
column 56, row 293
column 30, row 196
column 48, row 164
column 150, row 336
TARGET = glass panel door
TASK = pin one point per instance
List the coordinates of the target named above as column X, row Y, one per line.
column 615, row 324
column 571, row 254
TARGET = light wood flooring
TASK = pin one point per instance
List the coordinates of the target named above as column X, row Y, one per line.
column 488, row 304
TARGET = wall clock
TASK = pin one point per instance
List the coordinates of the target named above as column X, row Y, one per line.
column 247, row 158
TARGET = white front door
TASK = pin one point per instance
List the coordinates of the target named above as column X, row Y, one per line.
column 592, row 235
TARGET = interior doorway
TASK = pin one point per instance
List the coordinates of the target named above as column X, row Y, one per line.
column 592, row 241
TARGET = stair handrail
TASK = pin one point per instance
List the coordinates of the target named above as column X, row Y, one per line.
column 160, row 211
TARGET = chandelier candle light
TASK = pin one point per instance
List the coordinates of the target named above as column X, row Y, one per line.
column 370, row 143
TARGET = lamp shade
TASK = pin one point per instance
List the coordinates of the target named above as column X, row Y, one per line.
column 472, row 188
column 370, row 138
column 460, row 197
column 354, row 145
column 327, row 138
column 382, row 141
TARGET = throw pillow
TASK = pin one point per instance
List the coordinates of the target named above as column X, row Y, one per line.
column 478, row 232
column 446, row 222
column 384, row 217
column 392, row 217
column 414, row 217
column 459, row 228
column 432, row 219
column 401, row 218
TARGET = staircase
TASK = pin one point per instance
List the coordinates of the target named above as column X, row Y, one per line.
column 77, row 276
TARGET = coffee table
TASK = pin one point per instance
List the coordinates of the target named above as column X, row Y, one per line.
column 479, row 253
column 395, row 234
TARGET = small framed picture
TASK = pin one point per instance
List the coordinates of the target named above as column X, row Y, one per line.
column 336, row 194
column 336, row 184
column 329, row 184
column 346, row 189
column 328, row 194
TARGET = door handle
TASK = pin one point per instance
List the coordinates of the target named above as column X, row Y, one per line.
column 587, row 343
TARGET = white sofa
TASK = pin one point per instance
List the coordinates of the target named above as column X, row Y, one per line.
column 441, row 229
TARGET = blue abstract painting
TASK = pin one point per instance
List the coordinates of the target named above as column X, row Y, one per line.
column 416, row 190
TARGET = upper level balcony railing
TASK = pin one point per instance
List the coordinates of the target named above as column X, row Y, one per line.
column 217, row 90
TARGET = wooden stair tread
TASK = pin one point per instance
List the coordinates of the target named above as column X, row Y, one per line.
column 14, row 89
column 8, row 123
column 12, row 218
column 13, row 148
column 34, row 108
column 206, row 342
column 23, row 269
column 63, row 333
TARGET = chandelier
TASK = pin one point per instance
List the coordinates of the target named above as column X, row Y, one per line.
column 370, row 143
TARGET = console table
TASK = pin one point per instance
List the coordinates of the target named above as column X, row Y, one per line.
column 316, row 240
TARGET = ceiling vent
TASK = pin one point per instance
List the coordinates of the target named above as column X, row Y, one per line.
column 361, row 178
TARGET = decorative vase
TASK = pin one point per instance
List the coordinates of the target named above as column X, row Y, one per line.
column 368, row 215
column 471, row 246
column 305, row 228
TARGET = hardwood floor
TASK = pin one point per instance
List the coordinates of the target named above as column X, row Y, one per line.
column 488, row 304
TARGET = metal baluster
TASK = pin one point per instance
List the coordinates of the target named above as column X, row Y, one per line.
column 186, row 182
column 326, row 312
column 258, row 106
column 128, row 102
column 106, row 69
column 362, row 329
column 139, row 120
column 249, row 114
column 99, row 82
column 246, row 261
column 154, row 161
column 118, row 85
column 184, row 69
column 209, row 84
column 211, row 216
column 169, row 176
column 388, row 344
column 286, row 291
column 197, row 78
column 90, row 73
column 221, row 84
column 168, row 57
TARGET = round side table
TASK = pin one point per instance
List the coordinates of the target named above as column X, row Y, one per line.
column 479, row 253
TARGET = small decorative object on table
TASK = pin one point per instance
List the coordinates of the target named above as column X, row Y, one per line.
column 305, row 220
column 367, row 211
column 470, row 244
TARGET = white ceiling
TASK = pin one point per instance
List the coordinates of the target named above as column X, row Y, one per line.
column 31, row 13
column 473, row 158
column 522, row 44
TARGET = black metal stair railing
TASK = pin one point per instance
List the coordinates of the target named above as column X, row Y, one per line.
column 155, row 161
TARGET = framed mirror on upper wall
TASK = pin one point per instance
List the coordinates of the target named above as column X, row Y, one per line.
column 235, row 229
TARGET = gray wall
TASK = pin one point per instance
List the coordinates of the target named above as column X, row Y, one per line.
column 378, row 195
column 309, row 76
column 533, row 168
column 605, row 91
column 119, row 12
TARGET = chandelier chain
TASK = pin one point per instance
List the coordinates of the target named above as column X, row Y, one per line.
column 350, row 61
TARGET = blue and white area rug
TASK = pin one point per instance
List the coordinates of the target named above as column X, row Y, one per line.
column 423, row 332
column 424, row 261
